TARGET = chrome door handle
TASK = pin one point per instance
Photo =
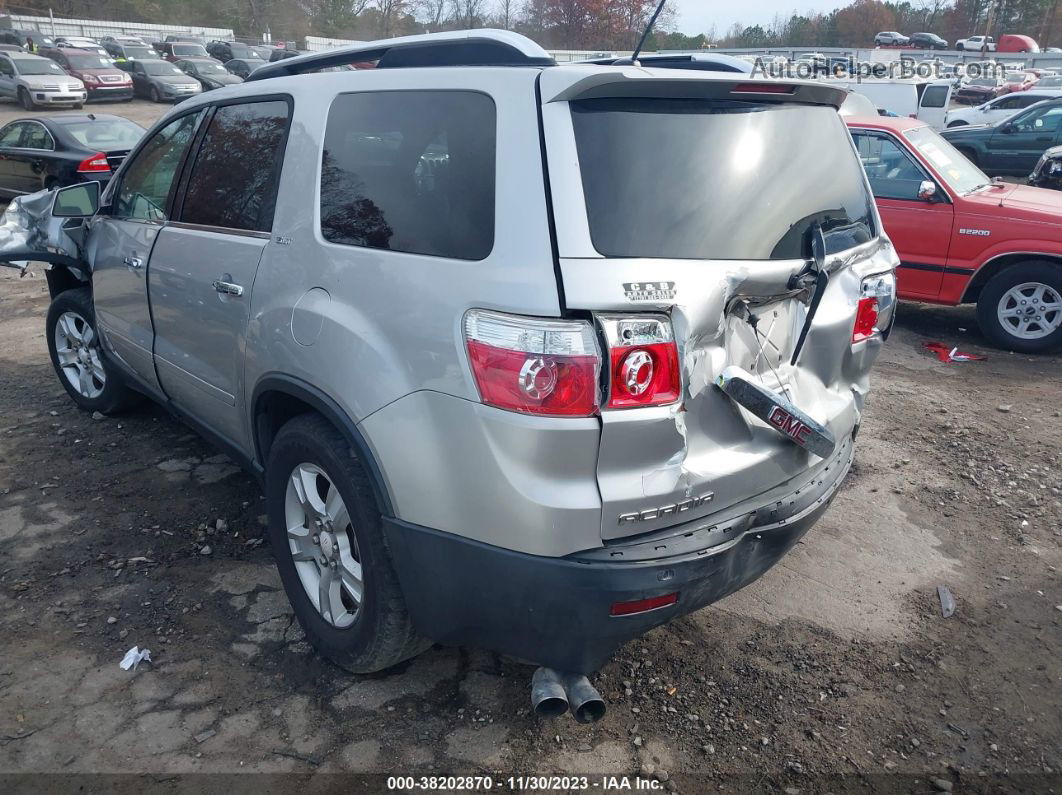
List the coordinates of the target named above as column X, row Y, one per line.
column 134, row 262
column 228, row 288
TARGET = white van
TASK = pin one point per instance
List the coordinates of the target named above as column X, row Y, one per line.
column 926, row 100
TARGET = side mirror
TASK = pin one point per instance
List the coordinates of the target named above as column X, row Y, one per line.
column 77, row 201
column 927, row 190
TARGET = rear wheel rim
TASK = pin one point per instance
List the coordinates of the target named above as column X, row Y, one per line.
column 323, row 546
column 1030, row 311
column 78, row 352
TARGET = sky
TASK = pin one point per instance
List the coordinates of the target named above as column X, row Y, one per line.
column 698, row 16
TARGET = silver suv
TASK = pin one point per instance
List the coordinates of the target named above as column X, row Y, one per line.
column 526, row 356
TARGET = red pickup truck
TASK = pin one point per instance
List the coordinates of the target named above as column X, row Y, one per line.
column 963, row 238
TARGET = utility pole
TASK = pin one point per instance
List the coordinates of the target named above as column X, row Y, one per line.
column 51, row 18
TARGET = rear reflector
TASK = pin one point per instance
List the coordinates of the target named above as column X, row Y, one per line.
column 762, row 88
column 94, row 163
column 643, row 605
column 532, row 365
column 643, row 361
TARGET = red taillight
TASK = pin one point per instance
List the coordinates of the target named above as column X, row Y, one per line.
column 643, row 361
column 642, row 605
column 866, row 319
column 94, row 163
column 534, row 366
column 762, row 88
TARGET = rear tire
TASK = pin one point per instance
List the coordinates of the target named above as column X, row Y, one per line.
column 155, row 95
column 310, row 464
column 1020, row 308
column 26, row 100
column 92, row 382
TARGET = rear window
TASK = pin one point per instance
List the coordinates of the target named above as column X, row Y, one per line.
column 935, row 96
column 410, row 171
column 711, row 179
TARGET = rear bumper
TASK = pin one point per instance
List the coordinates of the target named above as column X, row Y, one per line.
column 555, row 611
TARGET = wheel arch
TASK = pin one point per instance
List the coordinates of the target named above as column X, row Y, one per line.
column 1000, row 263
column 278, row 397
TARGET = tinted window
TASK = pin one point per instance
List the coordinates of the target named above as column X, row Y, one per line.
column 147, row 180
column 10, row 135
column 934, row 96
column 1040, row 120
column 892, row 172
column 234, row 180
column 37, row 137
column 714, row 179
column 411, row 171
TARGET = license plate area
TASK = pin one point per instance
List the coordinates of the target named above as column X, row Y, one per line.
column 779, row 413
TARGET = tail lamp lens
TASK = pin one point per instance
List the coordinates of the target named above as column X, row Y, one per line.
column 532, row 365
column 643, row 605
column 876, row 307
column 94, row 163
column 643, row 361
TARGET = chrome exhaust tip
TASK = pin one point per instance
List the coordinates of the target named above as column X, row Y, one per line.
column 586, row 703
column 547, row 693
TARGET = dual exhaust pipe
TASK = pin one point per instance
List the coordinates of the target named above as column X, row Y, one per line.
column 553, row 693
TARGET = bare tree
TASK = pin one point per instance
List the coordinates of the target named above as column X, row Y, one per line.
column 506, row 14
column 467, row 12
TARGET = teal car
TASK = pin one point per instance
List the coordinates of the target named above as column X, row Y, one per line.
column 1013, row 146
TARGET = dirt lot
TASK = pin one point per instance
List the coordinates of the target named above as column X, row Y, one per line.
column 834, row 669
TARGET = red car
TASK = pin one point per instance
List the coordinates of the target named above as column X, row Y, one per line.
column 1017, row 81
column 102, row 79
column 963, row 238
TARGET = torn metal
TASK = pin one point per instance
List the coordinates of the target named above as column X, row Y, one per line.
column 29, row 233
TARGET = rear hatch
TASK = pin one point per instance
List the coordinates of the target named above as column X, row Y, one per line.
column 694, row 199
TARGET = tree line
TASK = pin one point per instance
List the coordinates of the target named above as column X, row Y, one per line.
column 603, row 25
column 856, row 24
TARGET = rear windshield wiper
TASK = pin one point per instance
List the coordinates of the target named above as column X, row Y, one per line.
column 812, row 276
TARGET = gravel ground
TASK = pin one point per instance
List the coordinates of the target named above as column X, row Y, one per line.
column 834, row 672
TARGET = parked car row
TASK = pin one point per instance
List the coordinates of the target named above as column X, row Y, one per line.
column 931, row 41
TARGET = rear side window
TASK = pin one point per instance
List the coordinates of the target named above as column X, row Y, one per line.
column 411, row 171
column 234, row 181
column 934, row 96
column 716, row 179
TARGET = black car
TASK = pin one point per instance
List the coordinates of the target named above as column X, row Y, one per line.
column 209, row 73
column 1012, row 146
column 928, row 41
column 280, row 55
column 52, row 151
column 242, row 67
column 228, row 50
column 1048, row 171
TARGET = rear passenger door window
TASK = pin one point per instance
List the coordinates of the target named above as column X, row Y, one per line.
column 147, row 180
column 411, row 171
column 233, row 184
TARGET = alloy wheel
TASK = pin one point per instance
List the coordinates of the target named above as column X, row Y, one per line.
column 322, row 544
column 1030, row 311
column 77, row 349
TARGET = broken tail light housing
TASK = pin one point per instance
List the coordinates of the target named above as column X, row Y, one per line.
column 876, row 307
column 643, row 361
column 534, row 365
column 94, row 164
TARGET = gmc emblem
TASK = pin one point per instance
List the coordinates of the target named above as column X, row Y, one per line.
column 789, row 425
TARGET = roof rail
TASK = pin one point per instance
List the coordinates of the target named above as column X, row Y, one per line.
column 481, row 47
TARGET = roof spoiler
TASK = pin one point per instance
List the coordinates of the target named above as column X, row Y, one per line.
column 482, row 47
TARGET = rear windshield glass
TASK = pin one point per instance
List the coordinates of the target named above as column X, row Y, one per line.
column 711, row 179
column 105, row 133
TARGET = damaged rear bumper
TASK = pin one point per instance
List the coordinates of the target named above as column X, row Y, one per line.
column 556, row 611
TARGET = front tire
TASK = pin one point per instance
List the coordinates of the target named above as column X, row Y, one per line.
column 326, row 535
column 88, row 377
column 969, row 154
column 26, row 100
column 155, row 95
column 1020, row 308
column 957, row 124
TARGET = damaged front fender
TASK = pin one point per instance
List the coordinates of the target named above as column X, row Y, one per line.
column 30, row 233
